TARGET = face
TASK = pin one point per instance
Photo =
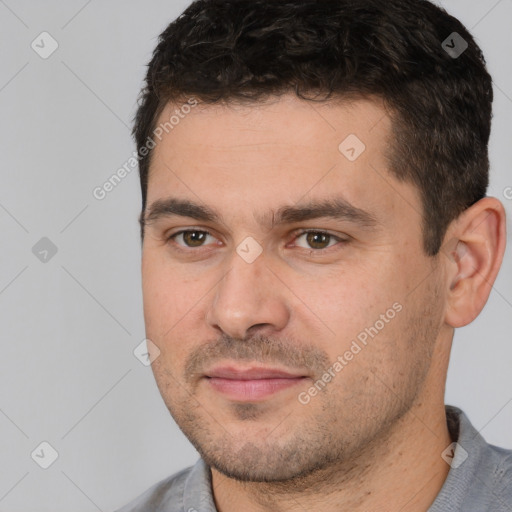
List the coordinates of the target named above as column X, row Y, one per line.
column 295, row 311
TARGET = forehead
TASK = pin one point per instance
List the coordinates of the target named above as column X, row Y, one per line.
column 286, row 120
column 263, row 156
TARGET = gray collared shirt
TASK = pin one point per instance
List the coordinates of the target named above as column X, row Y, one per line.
column 479, row 480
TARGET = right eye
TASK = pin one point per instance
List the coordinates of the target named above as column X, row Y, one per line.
column 191, row 238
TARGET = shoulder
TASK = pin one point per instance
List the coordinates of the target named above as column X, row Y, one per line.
column 160, row 496
column 497, row 473
column 488, row 477
column 480, row 478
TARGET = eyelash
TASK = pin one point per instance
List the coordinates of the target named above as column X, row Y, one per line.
column 296, row 235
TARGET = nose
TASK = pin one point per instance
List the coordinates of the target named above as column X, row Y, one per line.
column 250, row 295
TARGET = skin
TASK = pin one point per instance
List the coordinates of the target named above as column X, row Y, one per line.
column 372, row 439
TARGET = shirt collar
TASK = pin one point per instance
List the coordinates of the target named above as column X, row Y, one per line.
column 197, row 493
column 469, row 452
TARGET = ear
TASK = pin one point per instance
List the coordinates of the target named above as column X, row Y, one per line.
column 475, row 249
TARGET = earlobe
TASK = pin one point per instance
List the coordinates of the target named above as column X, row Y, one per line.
column 478, row 242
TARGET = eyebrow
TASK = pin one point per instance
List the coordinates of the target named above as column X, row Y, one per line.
column 337, row 208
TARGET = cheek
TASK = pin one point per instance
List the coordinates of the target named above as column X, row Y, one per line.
column 349, row 301
column 162, row 297
column 164, row 318
column 173, row 308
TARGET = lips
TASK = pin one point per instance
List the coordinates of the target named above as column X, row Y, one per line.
column 250, row 384
column 250, row 373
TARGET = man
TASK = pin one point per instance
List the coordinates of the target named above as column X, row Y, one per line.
column 315, row 225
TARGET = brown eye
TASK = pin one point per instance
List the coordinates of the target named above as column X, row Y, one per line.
column 191, row 237
column 315, row 240
column 318, row 240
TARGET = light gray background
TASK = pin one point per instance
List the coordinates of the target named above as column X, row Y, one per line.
column 70, row 325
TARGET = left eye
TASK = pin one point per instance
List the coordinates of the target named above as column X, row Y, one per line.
column 316, row 238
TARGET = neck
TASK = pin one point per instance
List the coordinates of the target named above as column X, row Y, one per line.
column 402, row 469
